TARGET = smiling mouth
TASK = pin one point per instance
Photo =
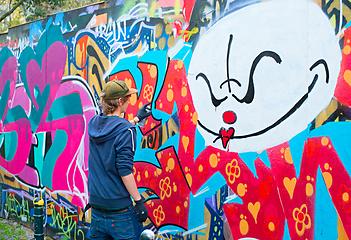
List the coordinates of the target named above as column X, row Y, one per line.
column 224, row 138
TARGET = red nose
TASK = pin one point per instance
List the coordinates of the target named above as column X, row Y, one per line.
column 229, row 117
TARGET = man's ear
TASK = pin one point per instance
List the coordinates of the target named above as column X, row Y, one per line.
column 318, row 70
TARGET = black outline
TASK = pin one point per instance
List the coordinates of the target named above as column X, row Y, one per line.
column 290, row 112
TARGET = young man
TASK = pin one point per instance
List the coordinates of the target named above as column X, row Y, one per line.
column 112, row 142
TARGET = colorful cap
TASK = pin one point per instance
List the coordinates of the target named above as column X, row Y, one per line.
column 117, row 89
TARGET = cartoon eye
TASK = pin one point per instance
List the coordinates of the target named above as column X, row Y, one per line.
column 248, row 98
column 216, row 102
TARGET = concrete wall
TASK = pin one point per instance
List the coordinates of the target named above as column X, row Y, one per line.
column 249, row 136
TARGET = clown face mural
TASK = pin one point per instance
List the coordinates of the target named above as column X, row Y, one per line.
column 260, row 75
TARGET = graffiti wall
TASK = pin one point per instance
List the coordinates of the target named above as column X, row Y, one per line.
column 249, row 136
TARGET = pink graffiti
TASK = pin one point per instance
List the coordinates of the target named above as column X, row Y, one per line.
column 51, row 72
column 9, row 75
column 72, row 164
column 71, row 168
column 20, row 127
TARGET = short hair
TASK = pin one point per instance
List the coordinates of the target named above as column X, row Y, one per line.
column 110, row 105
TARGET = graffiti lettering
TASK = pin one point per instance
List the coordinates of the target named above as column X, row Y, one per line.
column 17, row 206
column 65, row 221
column 199, row 177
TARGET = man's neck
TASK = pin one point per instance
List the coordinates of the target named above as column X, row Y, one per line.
column 117, row 112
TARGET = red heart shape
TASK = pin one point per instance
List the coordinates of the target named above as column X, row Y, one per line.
column 226, row 135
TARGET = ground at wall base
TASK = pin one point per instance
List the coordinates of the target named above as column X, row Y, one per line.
column 12, row 230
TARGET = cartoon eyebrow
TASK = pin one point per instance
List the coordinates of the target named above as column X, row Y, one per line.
column 216, row 102
column 248, row 98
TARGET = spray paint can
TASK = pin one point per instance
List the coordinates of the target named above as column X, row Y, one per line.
column 142, row 122
column 147, row 235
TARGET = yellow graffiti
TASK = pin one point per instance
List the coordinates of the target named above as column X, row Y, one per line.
column 326, row 113
column 189, row 33
column 89, row 63
column 333, row 10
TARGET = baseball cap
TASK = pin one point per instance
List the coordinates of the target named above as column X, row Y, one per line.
column 117, row 89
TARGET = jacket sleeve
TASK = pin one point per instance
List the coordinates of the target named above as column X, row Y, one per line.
column 125, row 149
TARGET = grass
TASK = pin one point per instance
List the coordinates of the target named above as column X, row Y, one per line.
column 11, row 230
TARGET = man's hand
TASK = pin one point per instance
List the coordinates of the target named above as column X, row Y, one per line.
column 141, row 210
column 144, row 112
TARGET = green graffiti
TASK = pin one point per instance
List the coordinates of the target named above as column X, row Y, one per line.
column 57, row 147
column 15, row 113
column 50, row 36
column 66, row 223
column 4, row 97
column 9, row 141
column 42, row 99
column 38, row 153
column 5, row 54
column 17, row 209
column 63, row 107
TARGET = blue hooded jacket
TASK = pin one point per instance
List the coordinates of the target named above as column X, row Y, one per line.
column 112, row 142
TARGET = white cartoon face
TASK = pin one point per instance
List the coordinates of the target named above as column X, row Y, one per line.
column 260, row 75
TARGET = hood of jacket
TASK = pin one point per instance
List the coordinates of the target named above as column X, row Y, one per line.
column 102, row 128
